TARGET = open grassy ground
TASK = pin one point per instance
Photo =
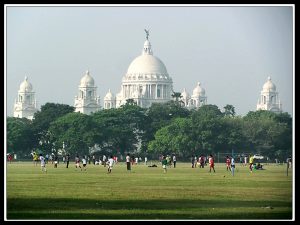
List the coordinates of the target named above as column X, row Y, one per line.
column 147, row 193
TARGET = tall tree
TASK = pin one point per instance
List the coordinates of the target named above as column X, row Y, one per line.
column 42, row 119
column 19, row 136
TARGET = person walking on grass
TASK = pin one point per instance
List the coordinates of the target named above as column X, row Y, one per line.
column 110, row 163
column 251, row 159
column 128, row 162
column 211, row 163
column 228, row 161
column 174, row 160
column 104, row 160
column 84, row 163
column 43, row 164
column 55, row 161
column 164, row 163
column 232, row 164
column 77, row 162
column 67, row 160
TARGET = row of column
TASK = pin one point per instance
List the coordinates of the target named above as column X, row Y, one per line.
column 152, row 90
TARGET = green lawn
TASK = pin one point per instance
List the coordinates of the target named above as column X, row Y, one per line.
column 147, row 193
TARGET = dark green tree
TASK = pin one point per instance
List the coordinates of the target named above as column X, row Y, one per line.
column 19, row 136
column 229, row 110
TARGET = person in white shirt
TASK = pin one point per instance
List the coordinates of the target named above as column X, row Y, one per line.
column 128, row 162
column 245, row 161
column 232, row 166
column 110, row 164
column 43, row 165
column 174, row 160
column 104, row 160
column 84, row 163
column 146, row 160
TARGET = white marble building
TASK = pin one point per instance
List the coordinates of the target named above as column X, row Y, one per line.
column 147, row 81
column 196, row 100
column 25, row 105
column 269, row 99
column 87, row 100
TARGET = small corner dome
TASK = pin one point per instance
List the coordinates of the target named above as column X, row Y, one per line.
column 199, row 91
column 25, row 86
column 87, row 80
column 269, row 85
column 109, row 95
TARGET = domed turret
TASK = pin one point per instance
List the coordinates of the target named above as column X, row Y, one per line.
column 87, row 80
column 199, row 91
column 87, row 100
column 269, row 86
column 269, row 98
column 109, row 95
column 25, row 105
column 25, row 86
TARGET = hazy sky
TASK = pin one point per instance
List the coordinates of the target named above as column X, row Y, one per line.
column 230, row 50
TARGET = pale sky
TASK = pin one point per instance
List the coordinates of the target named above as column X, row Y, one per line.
column 230, row 50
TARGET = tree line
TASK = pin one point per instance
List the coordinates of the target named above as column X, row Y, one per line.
column 164, row 128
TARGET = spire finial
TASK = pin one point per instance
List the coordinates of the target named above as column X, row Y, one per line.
column 87, row 72
column 269, row 78
column 26, row 78
column 147, row 33
column 199, row 83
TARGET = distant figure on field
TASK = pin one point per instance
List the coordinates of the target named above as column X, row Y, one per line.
column 174, row 161
column 228, row 161
column 77, row 162
column 104, row 160
column 55, row 161
column 251, row 160
column 232, row 166
column 211, row 163
column 245, row 160
column 84, row 163
column 110, row 164
column 128, row 162
column 164, row 164
column 67, row 160
column 43, row 164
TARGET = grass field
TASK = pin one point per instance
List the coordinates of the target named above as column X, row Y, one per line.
column 183, row 193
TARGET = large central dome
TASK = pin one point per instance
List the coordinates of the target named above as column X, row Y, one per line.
column 147, row 63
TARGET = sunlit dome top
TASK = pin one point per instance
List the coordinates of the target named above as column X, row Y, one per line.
column 147, row 63
column 87, row 80
column 199, row 91
column 269, row 86
column 25, row 86
column 109, row 95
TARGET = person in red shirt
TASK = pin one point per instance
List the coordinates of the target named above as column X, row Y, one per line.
column 9, row 158
column 211, row 163
column 228, row 161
